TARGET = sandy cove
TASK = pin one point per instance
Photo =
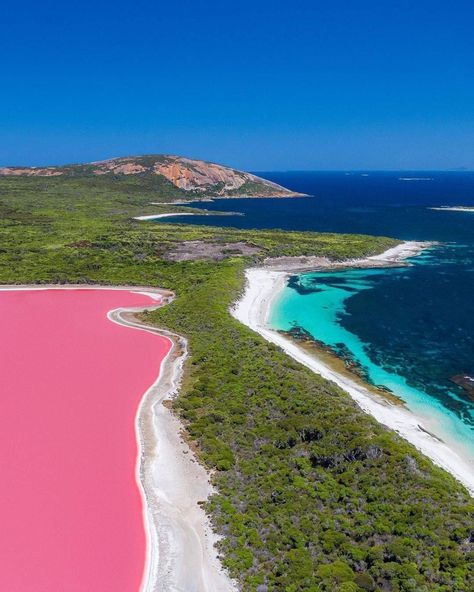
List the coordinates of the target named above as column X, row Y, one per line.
column 168, row 215
column 175, row 214
column 265, row 283
column 181, row 554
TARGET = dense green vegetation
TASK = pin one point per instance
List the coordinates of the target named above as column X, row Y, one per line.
column 157, row 173
column 313, row 494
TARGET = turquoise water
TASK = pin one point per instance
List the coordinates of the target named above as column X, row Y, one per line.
column 409, row 329
column 319, row 304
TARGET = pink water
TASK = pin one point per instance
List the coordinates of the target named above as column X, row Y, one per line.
column 70, row 385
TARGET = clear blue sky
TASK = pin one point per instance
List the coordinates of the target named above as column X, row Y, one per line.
column 261, row 85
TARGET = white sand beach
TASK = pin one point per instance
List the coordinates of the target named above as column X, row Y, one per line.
column 265, row 283
column 167, row 215
column 181, row 553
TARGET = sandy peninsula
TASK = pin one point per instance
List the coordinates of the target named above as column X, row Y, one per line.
column 390, row 258
column 265, row 283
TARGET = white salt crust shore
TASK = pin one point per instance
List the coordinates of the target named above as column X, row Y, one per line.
column 180, row 550
column 264, row 285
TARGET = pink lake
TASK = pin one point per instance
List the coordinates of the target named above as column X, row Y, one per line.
column 70, row 385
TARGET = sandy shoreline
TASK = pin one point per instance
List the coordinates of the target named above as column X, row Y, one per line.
column 180, row 552
column 263, row 286
column 168, row 215
column 175, row 214
column 393, row 257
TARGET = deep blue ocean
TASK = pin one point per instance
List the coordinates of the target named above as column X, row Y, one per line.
column 410, row 329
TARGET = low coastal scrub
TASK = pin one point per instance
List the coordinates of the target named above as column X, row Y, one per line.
column 313, row 495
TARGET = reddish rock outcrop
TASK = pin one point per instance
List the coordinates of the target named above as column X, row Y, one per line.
column 196, row 177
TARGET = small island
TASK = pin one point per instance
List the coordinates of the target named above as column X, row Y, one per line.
column 453, row 208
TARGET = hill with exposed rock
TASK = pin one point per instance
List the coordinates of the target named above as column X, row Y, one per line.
column 191, row 178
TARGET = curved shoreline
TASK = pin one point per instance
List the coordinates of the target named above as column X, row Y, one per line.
column 177, row 214
column 168, row 215
column 180, row 551
column 181, row 554
column 393, row 257
column 253, row 308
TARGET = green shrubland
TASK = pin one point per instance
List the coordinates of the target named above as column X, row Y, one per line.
column 313, row 495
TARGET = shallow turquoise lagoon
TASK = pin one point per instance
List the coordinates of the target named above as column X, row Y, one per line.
column 357, row 314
